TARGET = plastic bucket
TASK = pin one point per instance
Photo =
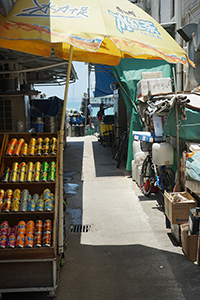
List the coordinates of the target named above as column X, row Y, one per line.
column 39, row 127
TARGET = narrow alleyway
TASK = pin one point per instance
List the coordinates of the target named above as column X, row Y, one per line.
column 128, row 253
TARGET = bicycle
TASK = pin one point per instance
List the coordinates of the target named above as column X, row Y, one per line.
column 119, row 147
column 151, row 174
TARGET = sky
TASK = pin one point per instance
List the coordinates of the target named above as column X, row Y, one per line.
column 76, row 90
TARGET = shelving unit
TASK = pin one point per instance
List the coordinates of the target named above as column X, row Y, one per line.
column 36, row 268
column 2, row 145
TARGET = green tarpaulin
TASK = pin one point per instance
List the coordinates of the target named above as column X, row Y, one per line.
column 189, row 130
column 128, row 73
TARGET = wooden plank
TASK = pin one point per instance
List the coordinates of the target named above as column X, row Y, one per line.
column 27, row 253
column 2, row 145
column 14, row 217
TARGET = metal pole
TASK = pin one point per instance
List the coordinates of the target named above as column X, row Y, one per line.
column 177, row 136
column 178, row 150
column 88, row 96
column 60, row 222
column 89, row 91
column 178, row 19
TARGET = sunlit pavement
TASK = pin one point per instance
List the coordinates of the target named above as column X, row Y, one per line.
column 128, row 253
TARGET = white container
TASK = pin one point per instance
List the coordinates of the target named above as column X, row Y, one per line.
column 138, row 174
column 133, row 170
column 139, row 157
column 136, row 147
column 162, row 154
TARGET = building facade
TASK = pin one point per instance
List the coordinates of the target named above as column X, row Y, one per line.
column 174, row 15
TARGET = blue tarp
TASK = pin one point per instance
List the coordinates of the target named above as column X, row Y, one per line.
column 47, row 107
column 104, row 77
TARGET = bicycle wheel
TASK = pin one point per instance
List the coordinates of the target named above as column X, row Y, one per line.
column 120, row 155
column 115, row 146
column 169, row 179
column 147, row 176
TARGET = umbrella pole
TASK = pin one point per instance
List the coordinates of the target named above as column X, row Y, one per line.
column 60, row 222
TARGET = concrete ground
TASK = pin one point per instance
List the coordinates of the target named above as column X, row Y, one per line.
column 128, row 253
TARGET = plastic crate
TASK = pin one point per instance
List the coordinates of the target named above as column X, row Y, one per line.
column 105, row 129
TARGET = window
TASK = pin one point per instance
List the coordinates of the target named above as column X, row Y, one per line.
column 159, row 11
column 172, row 8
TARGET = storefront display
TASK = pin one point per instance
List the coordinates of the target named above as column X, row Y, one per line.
column 29, row 207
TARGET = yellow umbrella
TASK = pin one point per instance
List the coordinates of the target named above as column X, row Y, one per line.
column 96, row 31
column 100, row 31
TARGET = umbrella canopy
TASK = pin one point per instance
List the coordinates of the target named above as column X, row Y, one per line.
column 100, row 31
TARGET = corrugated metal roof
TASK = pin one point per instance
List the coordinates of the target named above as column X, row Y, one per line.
column 54, row 75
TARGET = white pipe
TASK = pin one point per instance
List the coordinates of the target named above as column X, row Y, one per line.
column 60, row 222
column 178, row 17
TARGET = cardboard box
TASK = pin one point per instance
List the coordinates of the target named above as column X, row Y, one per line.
column 194, row 220
column 189, row 243
column 178, row 213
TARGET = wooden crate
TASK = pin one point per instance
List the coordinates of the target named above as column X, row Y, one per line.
column 34, row 187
